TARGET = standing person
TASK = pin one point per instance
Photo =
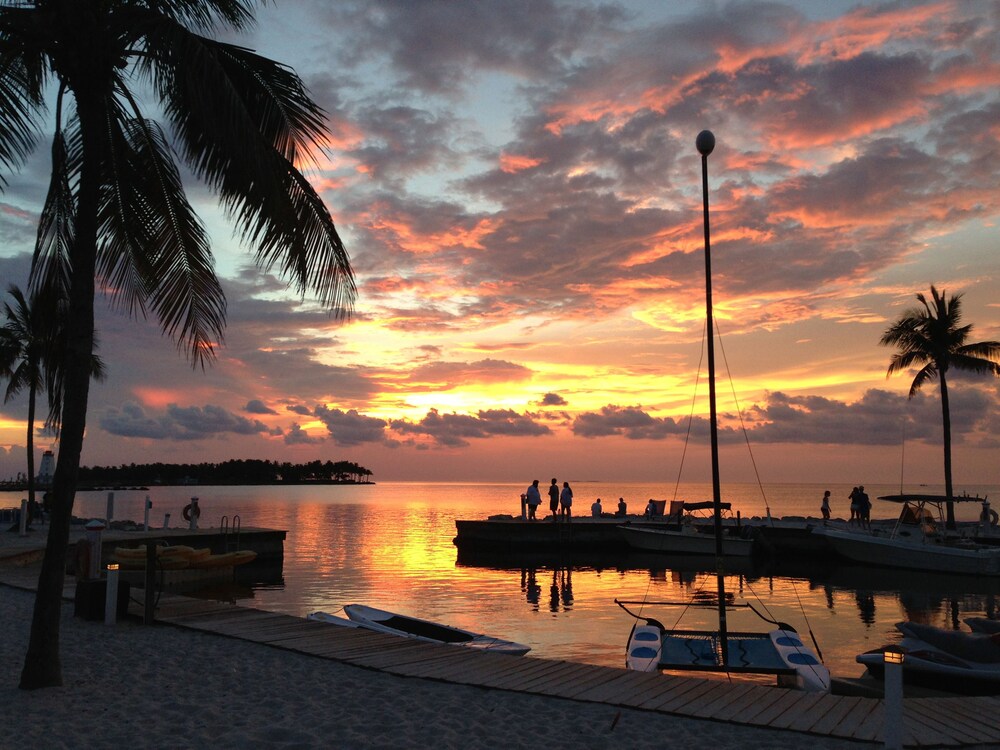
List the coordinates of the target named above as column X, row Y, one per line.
column 595, row 509
column 554, row 499
column 855, row 498
column 864, row 508
column 566, row 501
column 534, row 499
column 825, row 506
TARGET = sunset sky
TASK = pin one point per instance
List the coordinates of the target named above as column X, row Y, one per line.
column 520, row 194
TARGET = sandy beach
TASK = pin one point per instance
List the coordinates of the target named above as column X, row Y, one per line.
column 159, row 686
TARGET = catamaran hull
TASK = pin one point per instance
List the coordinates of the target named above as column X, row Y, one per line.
column 670, row 541
column 779, row 652
column 912, row 553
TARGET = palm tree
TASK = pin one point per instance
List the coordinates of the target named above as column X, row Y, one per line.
column 24, row 340
column 116, row 213
column 30, row 343
column 932, row 337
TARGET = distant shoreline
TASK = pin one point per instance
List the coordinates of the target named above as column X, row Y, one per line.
column 84, row 487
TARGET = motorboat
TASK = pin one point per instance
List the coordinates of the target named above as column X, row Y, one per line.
column 949, row 660
column 383, row 621
column 682, row 537
column 917, row 541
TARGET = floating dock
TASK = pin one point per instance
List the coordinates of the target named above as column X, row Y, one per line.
column 784, row 536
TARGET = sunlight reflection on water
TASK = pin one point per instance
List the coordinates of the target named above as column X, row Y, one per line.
column 390, row 545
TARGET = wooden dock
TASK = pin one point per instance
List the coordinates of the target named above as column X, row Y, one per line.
column 928, row 722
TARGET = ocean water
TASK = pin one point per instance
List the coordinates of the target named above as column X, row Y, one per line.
column 390, row 545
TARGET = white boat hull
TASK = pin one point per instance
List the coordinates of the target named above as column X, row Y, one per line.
column 684, row 542
column 959, row 662
column 916, row 552
column 431, row 632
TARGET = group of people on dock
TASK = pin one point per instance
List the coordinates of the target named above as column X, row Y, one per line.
column 560, row 503
column 861, row 507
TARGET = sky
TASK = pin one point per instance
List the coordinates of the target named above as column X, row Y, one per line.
column 519, row 191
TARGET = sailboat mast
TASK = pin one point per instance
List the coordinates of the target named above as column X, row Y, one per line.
column 705, row 144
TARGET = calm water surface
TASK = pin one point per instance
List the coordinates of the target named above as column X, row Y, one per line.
column 390, row 545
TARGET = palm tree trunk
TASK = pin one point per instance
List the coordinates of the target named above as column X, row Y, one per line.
column 946, row 421
column 42, row 666
column 30, row 442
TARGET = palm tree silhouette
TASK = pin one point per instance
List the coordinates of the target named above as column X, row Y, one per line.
column 24, row 340
column 116, row 213
column 933, row 338
column 31, row 340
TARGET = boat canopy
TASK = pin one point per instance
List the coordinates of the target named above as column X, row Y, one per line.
column 936, row 499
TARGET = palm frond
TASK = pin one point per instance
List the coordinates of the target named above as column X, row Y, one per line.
column 243, row 122
column 927, row 372
column 155, row 252
column 21, row 96
column 51, row 263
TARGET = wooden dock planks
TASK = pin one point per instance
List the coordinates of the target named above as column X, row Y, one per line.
column 944, row 722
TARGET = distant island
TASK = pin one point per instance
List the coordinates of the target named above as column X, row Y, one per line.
column 233, row 472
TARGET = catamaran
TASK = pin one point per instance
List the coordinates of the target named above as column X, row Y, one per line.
column 780, row 651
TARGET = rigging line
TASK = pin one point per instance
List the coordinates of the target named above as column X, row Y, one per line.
column 694, row 400
column 739, row 412
column 902, row 456
column 687, row 606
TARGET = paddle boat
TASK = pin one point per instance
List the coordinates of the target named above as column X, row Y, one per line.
column 950, row 660
column 383, row 621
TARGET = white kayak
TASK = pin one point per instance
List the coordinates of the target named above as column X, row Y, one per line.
column 423, row 630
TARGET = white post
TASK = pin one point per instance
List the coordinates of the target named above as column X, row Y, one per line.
column 145, row 515
column 24, row 516
column 892, row 726
column 166, row 520
column 111, row 508
column 193, row 512
column 111, row 596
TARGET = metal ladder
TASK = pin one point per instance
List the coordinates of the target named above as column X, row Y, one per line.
column 230, row 534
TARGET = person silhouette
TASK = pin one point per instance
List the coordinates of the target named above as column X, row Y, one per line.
column 566, row 501
column 554, row 499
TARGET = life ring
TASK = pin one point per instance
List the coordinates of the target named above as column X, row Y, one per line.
column 191, row 510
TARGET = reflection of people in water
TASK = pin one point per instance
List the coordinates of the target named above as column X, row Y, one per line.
column 566, row 587
column 529, row 585
column 866, row 606
column 562, row 589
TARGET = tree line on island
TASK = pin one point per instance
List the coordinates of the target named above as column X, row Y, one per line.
column 236, row 471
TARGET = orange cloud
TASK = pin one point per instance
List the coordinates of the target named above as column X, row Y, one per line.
column 511, row 163
column 160, row 397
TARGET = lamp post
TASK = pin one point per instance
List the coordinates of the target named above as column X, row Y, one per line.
column 892, row 724
column 111, row 595
column 705, row 143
